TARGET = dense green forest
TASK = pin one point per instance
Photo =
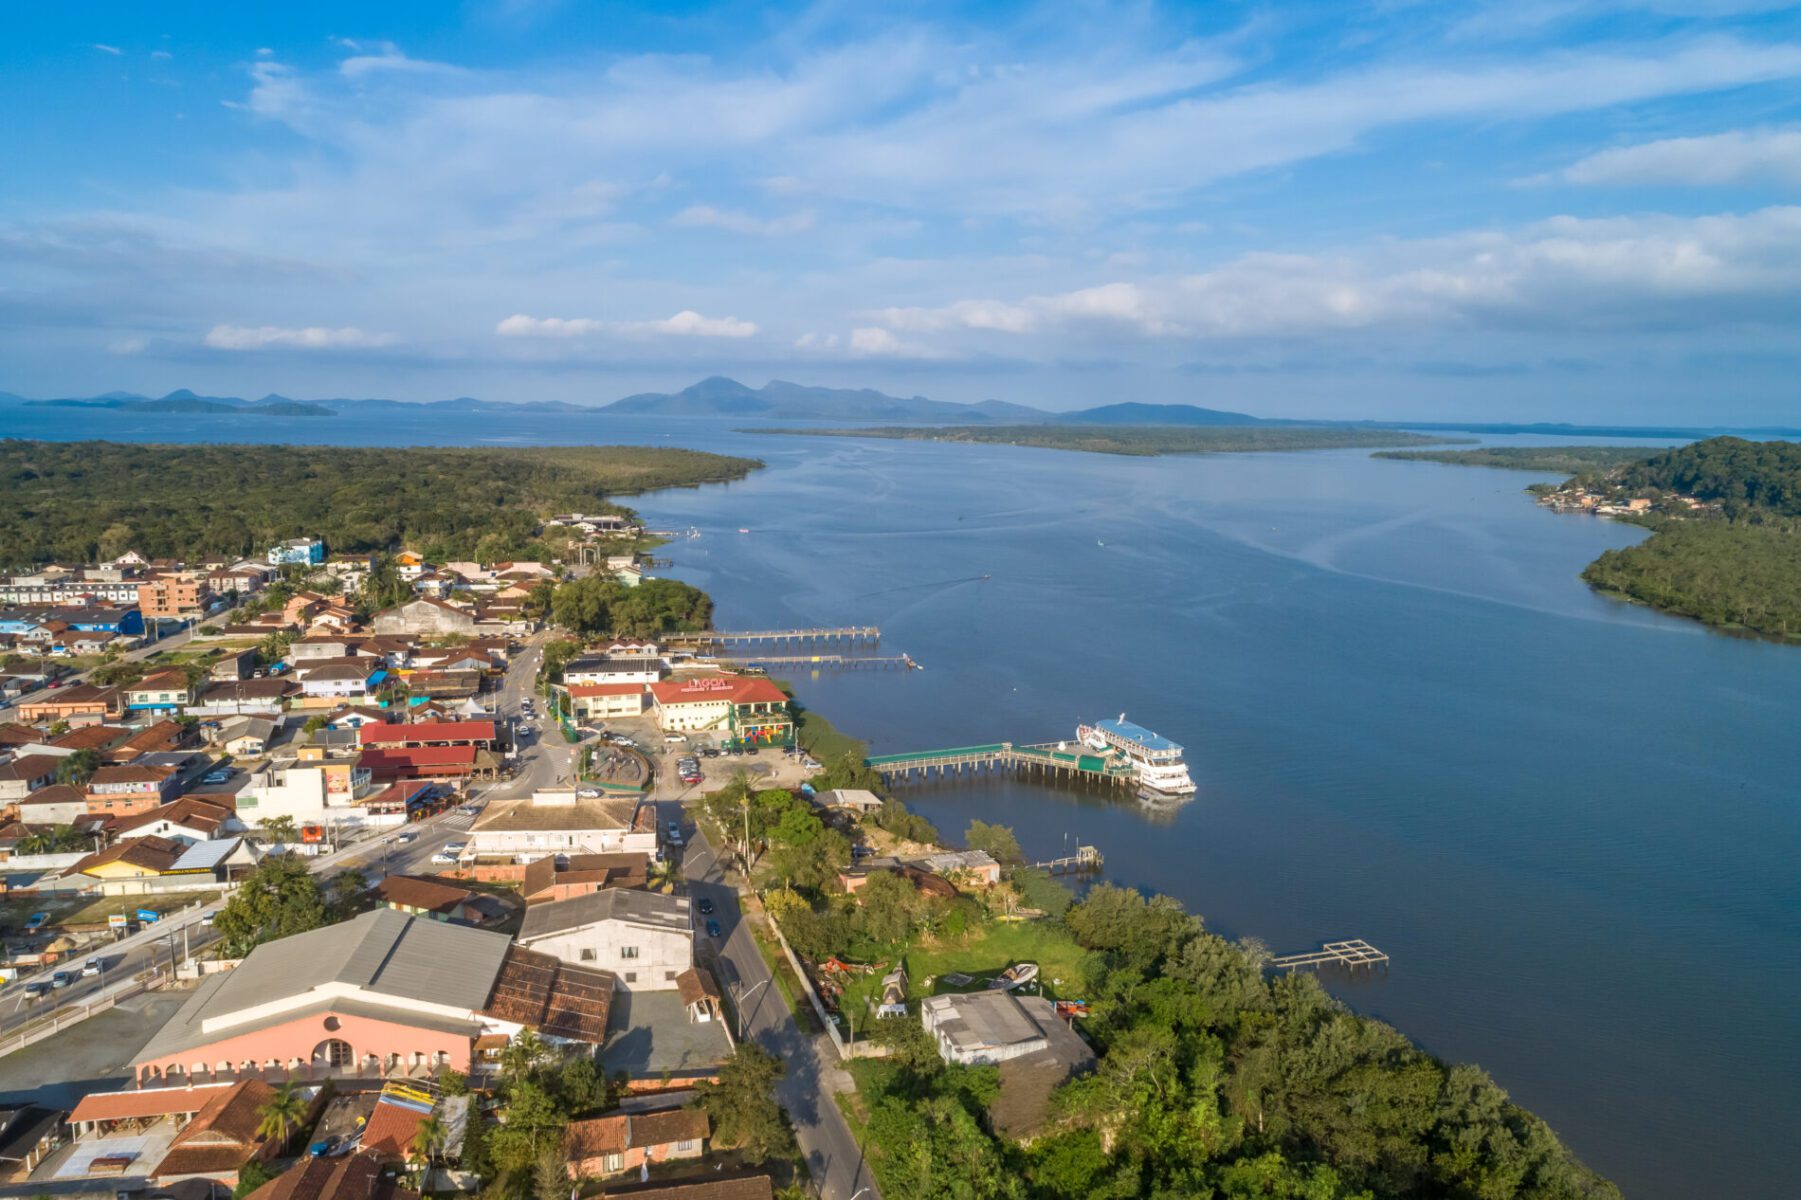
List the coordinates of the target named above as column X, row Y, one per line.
column 1753, row 481
column 1570, row 460
column 85, row 501
column 1144, row 440
column 1215, row 1080
column 1736, row 575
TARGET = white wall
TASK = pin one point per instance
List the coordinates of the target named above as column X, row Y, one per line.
column 661, row 954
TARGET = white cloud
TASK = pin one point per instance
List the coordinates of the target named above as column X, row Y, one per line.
column 105, row 49
column 128, row 346
column 312, row 337
column 705, row 216
column 1737, row 157
column 1559, row 275
column 686, row 323
column 161, row 55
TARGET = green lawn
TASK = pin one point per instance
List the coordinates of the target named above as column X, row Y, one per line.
column 982, row 955
column 166, row 903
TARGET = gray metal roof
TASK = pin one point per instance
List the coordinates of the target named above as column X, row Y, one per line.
column 977, row 1019
column 383, row 951
column 613, row 904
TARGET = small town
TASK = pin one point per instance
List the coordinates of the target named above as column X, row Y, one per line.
column 327, row 868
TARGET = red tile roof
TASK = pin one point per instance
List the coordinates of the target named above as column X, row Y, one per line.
column 421, row 732
column 738, row 689
column 398, row 761
column 145, row 1105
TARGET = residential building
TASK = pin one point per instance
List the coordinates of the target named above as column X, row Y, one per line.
column 428, row 733
column 606, row 701
column 130, row 861
column 734, row 1187
column 175, row 595
column 301, row 552
column 341, row 679
column 246, row 737
column 309, row 788
column 433, row 899
column 354, row 1177
column 610, row 668
column 700, row 995
column 27, row 773
column 558, row 821
column 56, row 585
column 165, row 736
column 127, row 789
column 629, row 1141
column 445, row 763
column 83, row 704
column 962, row 866
column 745, row 707
column 425, row 616
column 563, row 876
column 159, row 691
column 381, row 994
column 189, row 820
column 239, row 665
column 645, row 938
column 259, row 697
column 56, row 804
column 1037, row 1050
column 854, row 800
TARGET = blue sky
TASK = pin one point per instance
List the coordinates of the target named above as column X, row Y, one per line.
column 1541, row 209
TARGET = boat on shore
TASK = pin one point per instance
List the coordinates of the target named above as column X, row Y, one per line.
column 1014, row 976
column 1156, row 762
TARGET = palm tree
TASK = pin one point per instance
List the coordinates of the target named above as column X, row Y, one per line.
column 429, row 1139
column 524, row 1052
column 284, row 1112
column 664, row 874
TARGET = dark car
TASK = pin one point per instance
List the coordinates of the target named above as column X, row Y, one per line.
column 712, row 929
column 706, row 907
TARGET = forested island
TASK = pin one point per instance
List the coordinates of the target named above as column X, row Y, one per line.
column 1569, row 460
column 1724, row 515
column 1141, row 440
column 89, row 501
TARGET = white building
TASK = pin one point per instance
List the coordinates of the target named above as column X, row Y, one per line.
column 558, row 821
column 979, row 1028
column 310, row 791
column 645, row 939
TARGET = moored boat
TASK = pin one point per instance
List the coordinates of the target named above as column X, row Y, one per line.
column 1156, row 761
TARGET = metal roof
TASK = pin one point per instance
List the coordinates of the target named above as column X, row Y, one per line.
column 613, row 904
column 1137, row 733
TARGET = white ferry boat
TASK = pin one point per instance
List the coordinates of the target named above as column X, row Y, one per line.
column 1156, row 761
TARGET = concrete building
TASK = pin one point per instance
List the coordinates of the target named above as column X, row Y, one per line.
column 606, row 701
column 982, row 1028
column 297, row 552
column 310, row 789
column 644, row 938
column 425, row 616
column 558, row 821
column 628, row 1141
column 175, row 596
column 744, row 707
column 379, row 995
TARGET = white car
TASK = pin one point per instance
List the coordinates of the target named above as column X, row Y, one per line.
column 443, row 859
column 455, row 847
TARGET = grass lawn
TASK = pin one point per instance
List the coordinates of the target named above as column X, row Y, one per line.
column 167, row 903
column 982, row 955
column 823, row 740
column 16, row 910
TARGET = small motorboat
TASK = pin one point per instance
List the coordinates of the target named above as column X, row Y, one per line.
column 1014, row 976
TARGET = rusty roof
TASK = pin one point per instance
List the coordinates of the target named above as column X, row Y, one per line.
column 552, row 996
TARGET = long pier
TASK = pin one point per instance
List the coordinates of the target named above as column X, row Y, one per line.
column 841, row 662
column 1046, row 761
column 853, row 634
column 1354, row 952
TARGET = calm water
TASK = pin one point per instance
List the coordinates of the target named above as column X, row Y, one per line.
column 1570, row 822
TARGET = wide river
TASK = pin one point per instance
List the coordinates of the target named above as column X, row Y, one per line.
column 1573, row 824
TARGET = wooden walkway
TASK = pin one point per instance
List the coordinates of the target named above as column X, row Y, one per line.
column 837, row 662
column 720, row 637
column 1044, row 761
column 1085, row 859
column 1353, row 953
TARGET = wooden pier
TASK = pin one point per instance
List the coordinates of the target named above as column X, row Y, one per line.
column 853, row 634
column 1045, row 761
column 1084, row 860
column 837, row 662
column 1353, row 953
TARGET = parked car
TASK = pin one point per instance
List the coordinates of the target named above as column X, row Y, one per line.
column 215, row 777
column 455, row 847
column 37, row 987
column 675, row 829
column 206, row 921
column 91, row 967
column 324, row 1147
column 443, row 860
column 712, row 928
column 711, row 752
column 706, row 907
column 36, row 920
column 408, row 836
column 62, row 979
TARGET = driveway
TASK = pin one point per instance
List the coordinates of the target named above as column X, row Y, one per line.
column 813, row 1073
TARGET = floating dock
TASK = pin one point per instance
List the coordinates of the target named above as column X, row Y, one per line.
column 1353, row 953
column 1083, row 861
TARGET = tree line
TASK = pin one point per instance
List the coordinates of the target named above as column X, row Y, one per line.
column 91, row 501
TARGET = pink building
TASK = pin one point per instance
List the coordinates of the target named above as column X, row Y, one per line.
column 379, row 995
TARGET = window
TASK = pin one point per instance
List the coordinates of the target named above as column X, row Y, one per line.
column 631, row 977
column 628, row 952
column 588, row 954
column 615, row 1162
column 668, row 975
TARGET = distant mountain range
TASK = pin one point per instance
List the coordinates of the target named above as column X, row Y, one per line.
column 779, row 400
column 782, row 401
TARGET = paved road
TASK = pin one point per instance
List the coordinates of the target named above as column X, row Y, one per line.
column 813, row 1073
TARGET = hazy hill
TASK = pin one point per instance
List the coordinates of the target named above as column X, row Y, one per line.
column 781, row 400
column 1132, row 413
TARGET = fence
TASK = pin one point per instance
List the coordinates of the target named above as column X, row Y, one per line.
column 60, row 1019
column 845, row 1050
